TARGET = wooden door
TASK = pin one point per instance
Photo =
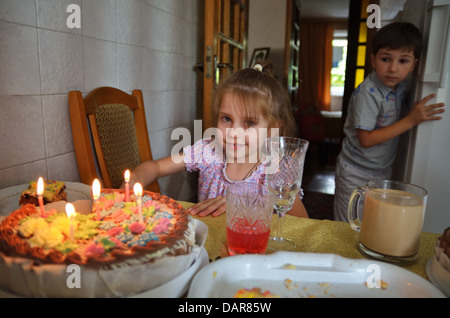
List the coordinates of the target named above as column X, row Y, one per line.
column 225, row 48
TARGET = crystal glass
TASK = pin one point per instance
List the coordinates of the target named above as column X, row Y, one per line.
column 285, row 172
column 249, row 214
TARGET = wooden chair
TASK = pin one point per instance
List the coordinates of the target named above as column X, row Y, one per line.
column 115, row 122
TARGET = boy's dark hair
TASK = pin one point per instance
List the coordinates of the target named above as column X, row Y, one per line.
column 398, row 35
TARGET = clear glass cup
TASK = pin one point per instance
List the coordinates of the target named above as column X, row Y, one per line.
column 249, row 215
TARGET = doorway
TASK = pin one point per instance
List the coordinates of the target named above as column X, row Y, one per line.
column 318, row 182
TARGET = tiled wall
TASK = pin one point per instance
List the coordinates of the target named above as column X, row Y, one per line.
column 147, row 44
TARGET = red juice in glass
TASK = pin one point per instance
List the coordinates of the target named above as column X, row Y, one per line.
column 245, row 238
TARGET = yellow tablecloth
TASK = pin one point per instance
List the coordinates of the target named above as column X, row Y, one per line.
column 313, row 236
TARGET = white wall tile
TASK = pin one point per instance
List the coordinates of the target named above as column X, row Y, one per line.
column 180, row 71
column 22, row 130
column 22, row 12
column 180, row 9
column 19, row 65
column 61, row 62
column 184, row 43
column 57, row 128
column 98, row 19
column 160, row 4
column 22, row 174
column 158, row 143
column 155, row 28
column 173, row 26
column 154, row 110
column 52, row 15
column 129, row 21
column 155, row 70
column 129, row 67
column 100, row 63
column 63, row 168
column 175, row 109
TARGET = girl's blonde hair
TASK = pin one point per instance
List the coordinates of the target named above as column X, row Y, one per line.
column 260, row 93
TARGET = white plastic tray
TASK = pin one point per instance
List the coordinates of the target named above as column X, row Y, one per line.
column 289, row 274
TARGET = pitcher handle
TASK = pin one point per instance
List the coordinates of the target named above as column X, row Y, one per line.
column 352, row 211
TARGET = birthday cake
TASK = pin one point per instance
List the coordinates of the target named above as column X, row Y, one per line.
column 438, row 269
column 120, row 247
column 53, row 191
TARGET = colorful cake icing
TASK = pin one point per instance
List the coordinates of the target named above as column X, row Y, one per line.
column 53, row 191
column 120, row 251
column 110, row 234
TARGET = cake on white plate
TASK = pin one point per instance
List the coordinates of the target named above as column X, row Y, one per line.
column 114, row 250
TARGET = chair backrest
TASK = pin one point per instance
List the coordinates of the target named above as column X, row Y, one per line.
column 115, row 123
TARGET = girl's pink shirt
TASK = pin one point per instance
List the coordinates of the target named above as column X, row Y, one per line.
column 206, row 156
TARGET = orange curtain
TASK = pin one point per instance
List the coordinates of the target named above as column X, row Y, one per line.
column 316, row 55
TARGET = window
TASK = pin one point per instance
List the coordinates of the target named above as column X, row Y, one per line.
column 338, row 70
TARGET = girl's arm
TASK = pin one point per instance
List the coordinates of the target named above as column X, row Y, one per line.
column 149, row 171
column 216, row 206
column 298, row 209
column 418, row 114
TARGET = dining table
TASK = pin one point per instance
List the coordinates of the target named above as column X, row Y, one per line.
column 310, row 235
column 313, row 236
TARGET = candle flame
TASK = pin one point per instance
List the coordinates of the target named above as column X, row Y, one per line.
column 127, row 175
column 96, row 189
column 137, row 189
column 40, row 186
column 70, row 210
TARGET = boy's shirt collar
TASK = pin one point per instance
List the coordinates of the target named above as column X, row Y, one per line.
column 385, row 90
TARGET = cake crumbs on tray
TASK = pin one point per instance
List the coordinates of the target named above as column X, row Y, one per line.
column 379, row 284
column 289, row 284
column 289, row 266
column 254, row 293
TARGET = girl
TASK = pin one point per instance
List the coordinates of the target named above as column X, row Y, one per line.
column 246, row 106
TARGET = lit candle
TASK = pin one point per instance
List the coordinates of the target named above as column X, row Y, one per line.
column 40, row 192
column 70, row 211
column 138, row 192
column 127, row 185
column 95, row 196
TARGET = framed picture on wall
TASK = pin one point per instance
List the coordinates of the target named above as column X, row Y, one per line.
column 259, row 54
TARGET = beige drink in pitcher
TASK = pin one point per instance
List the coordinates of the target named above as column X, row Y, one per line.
column 390, row 227
column 392, row 219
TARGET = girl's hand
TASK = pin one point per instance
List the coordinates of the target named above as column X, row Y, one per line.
column 215, row 206
column 422, row 112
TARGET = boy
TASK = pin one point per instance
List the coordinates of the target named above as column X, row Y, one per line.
column 373, row 121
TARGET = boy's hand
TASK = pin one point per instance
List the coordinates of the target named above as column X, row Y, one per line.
column 215, row 206
column 422, row 112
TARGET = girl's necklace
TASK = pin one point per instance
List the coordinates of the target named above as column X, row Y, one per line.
column 251, row 170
